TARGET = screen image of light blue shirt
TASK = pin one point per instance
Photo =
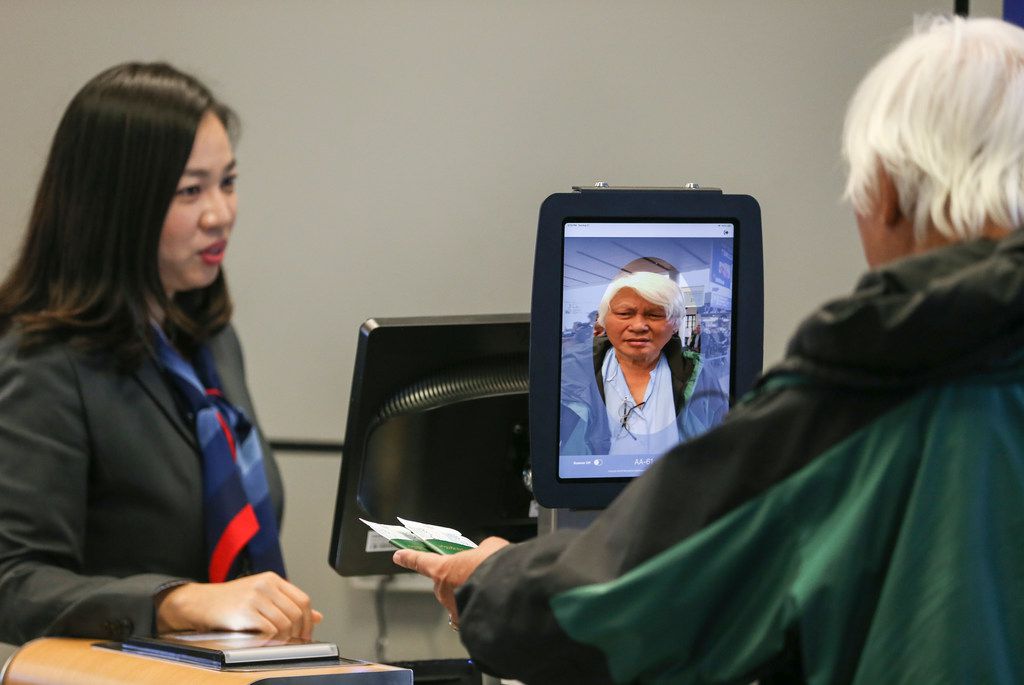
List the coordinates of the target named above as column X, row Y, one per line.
column 646, row 428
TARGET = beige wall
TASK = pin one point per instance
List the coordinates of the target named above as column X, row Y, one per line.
column 395, row 154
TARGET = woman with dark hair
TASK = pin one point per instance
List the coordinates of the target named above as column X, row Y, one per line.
column 136, row 493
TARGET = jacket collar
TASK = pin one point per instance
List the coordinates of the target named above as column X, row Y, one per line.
column 152, row 381
column 943, row 313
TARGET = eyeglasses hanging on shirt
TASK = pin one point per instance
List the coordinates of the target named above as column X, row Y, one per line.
column 626, row 412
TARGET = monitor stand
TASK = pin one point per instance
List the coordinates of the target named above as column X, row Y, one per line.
column 550, row 520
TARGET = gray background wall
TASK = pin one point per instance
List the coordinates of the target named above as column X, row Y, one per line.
column 395, row 153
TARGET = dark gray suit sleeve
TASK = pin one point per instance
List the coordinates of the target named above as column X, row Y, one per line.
column 45, row 469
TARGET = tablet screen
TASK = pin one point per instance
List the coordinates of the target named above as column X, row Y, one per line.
column 646, row 339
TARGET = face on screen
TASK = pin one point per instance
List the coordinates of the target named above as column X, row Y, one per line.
column 646, row 341
column 636, row 328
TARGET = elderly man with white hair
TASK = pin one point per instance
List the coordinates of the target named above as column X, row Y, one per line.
column 643, row 372
column 858, row 518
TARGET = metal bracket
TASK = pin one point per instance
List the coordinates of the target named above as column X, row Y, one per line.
column 604, row 185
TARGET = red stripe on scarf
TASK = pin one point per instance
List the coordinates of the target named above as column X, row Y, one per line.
column 233, row 540
column 227, row 434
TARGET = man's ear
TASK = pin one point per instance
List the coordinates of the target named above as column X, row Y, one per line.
column 888, row 199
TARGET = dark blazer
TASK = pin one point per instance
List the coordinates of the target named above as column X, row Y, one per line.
column 100, row 490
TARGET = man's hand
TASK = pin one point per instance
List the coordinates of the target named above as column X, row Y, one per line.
column 264, row 603
column 448, row 571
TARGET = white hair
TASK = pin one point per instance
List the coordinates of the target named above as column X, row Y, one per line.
column 943, row 114
column 655, row 288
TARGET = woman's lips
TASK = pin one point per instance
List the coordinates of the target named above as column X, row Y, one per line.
column 214, row 254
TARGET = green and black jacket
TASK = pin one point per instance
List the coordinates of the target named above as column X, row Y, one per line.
column 858, row 519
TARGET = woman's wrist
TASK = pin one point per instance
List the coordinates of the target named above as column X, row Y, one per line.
column 168, row 602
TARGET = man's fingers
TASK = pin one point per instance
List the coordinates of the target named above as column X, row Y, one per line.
column 424, row 563
column 448, row 571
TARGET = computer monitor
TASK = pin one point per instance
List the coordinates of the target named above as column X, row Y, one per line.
column 591, row 432
column 436, row 432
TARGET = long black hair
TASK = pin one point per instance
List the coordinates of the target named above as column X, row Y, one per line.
column 87, row 272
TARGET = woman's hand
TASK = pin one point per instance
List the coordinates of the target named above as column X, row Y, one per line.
column 264, row 603
column 448, row 571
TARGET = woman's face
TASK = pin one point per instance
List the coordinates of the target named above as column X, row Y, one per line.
column 199, row 221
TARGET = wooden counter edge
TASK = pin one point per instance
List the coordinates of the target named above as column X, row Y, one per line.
column 55, row 660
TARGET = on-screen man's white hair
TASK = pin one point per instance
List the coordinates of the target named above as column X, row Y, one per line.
column 655, row 288
column 943, row 114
